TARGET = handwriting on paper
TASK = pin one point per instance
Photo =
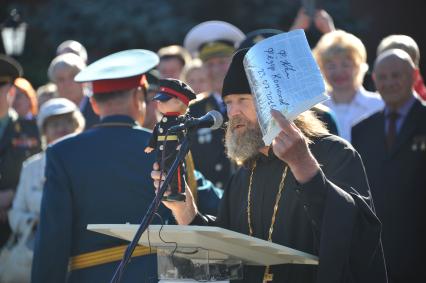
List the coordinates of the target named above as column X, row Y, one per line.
column 283, row 75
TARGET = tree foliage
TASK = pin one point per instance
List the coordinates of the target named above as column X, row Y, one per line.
column 106, row 26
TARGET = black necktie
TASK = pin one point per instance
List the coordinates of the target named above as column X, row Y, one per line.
column 391, row 135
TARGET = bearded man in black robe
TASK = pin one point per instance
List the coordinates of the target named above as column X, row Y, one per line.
column 316, row 184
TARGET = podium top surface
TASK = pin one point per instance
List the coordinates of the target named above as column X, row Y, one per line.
column 252, row 251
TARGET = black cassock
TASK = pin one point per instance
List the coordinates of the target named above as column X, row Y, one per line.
column 331, row 216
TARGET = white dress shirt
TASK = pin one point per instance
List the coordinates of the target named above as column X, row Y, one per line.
column 363, row 105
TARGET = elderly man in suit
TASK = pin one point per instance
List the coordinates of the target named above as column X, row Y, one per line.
column 392, row 144
column 62, row 71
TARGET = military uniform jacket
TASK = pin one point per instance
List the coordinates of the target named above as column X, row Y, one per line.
column 398, row 184
column 330, row 216
column 99, row 176
column 208, row 149
column 20, row 140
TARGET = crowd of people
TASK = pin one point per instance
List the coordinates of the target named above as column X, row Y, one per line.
column 343, row 181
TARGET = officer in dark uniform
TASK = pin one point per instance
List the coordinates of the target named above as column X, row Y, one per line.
column 214, row 43
column 19, row 139
column 99, row 176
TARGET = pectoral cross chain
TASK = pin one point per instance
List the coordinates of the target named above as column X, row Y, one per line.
column 267, row 276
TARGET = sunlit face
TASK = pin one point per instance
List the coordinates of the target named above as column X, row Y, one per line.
column 243, row 137
column 340, row 72
column 21, row 103
column 217, row 68
column 199, row 80
column 170, row 68
column 394, row 79
column 67, row 87
column 240, row 105
column 58, row 126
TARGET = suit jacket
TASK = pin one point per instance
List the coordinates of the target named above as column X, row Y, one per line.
column 398, row 182
column 99, row 176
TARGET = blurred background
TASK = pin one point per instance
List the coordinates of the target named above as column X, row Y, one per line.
column 106, row 26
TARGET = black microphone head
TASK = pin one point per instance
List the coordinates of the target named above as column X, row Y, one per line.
column 217, row 118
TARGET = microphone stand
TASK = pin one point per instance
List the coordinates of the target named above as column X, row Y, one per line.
column 184, row 149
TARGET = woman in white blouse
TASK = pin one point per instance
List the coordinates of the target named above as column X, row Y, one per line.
column 342, row 59
column 57, row 117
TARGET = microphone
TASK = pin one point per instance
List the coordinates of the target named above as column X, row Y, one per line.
column 213, row 120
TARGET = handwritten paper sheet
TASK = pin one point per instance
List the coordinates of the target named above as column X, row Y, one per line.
column 284, row 76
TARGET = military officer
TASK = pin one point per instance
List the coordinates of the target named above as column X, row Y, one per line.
column 103, row 176
column 99, row 176
column 19, row 139
column 213, row 42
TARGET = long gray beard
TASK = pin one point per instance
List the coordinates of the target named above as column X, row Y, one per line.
column 244, row 146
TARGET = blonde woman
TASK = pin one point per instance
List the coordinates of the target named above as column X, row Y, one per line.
column 342, row 59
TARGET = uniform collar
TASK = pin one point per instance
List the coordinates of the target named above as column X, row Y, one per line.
column 119, row 119
column 172, row 114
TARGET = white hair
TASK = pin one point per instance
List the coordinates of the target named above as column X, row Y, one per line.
column 72, row 46
column 63, row 61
